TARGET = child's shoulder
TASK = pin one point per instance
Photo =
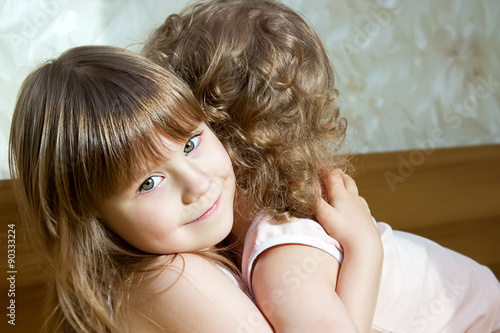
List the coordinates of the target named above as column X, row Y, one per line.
column 184, row 293
column 172, row 272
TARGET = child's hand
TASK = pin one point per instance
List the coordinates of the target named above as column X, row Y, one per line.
column 346, row 216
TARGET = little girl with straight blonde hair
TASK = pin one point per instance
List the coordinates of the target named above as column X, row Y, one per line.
column 117, row 172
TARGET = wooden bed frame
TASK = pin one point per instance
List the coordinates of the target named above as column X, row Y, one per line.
column 449, row 195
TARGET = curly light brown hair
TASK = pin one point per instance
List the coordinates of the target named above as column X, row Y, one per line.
column 265, row 81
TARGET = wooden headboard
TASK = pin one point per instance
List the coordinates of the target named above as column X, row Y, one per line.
column 450, row 195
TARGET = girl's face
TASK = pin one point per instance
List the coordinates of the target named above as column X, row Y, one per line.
column 184, row 203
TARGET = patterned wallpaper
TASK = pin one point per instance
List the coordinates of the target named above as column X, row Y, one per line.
column 411, row 74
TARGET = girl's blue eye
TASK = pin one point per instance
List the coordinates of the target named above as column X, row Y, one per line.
column 150, row 183
column 191, row 144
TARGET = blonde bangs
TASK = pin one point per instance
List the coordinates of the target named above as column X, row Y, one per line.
column 132, row 140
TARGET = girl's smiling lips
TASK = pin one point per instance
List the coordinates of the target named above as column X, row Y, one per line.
column 208, row 213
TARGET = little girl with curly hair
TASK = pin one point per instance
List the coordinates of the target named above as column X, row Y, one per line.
column 263, row 75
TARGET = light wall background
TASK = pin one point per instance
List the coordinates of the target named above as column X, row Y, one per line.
column 412, row 74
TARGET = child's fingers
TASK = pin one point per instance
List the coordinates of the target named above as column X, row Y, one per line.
column 334, row 185
column 349, row 183
column 326, row 214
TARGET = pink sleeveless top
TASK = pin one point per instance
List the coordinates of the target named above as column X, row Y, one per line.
column 424, row 288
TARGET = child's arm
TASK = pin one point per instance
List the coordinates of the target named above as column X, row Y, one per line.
column 296, row 285
column 201, row 299
column 347, row 218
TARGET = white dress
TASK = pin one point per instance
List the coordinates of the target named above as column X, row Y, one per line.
column 424, row 288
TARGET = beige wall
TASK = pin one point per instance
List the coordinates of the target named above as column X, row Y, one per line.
column 411, row 73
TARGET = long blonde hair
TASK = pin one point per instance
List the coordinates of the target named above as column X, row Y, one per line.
column 82, row 126
column 265, row 80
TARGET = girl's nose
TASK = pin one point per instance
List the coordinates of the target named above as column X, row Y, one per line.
column 195, row 184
